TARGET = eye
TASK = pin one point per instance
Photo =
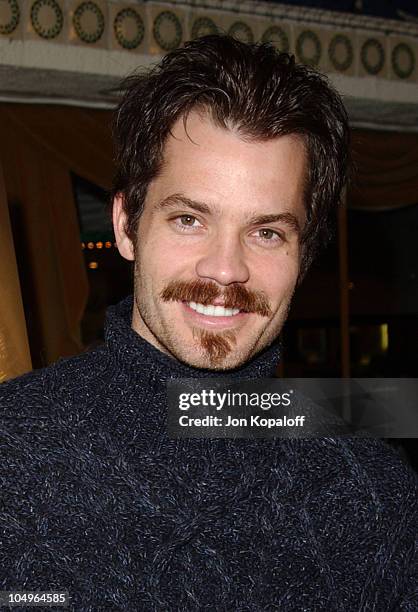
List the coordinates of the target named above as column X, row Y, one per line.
column 186, row 223
column 268, row 236
column 187, row 220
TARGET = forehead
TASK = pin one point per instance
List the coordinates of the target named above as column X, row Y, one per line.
column 210, row 163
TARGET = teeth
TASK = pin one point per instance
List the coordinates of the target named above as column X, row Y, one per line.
column 214, row 311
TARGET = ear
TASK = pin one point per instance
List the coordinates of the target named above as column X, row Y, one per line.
column 125, row 246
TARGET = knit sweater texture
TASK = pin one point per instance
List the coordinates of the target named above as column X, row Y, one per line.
column 96, row 499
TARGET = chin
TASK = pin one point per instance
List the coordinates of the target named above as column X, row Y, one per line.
column 205, row 364
column 214, row 360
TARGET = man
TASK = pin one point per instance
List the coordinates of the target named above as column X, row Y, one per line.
column 231, row 159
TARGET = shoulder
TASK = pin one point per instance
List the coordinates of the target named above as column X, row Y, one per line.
column 371, row 458
column 388, row 483
column 44, row 392
column 362, row 467
column 358, row 500
column 47, row 415
column 389, row 508
column 363, row 484
column 379, row 466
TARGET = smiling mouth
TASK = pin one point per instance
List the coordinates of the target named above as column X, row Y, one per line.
column 213, row 311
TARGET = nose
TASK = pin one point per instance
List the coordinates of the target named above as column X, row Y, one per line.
column 224, row 261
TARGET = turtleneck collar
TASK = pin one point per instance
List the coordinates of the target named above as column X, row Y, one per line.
column 135, row 353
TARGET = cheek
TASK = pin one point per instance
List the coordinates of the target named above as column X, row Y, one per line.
column 160, row 265
column 161, row 244
column 281, row 296
column 277, row 278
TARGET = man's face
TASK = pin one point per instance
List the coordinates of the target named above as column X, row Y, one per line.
column 218, row 245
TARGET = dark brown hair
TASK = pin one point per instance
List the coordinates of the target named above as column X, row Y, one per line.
column 253, row 88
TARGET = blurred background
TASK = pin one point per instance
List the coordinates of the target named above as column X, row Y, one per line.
column 61, row 62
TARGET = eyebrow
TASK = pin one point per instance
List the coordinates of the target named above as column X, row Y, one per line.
column 175, row 199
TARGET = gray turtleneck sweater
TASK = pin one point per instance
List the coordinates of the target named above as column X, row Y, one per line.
column 97, row 500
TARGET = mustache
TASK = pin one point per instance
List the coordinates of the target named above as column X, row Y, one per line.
column 234, row 296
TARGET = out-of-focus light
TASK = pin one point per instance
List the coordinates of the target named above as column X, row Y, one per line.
column 108, row 245
column 384, row 337
column 90, row 245
column 99, row 245
column 93, row 265
column 83, row 246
